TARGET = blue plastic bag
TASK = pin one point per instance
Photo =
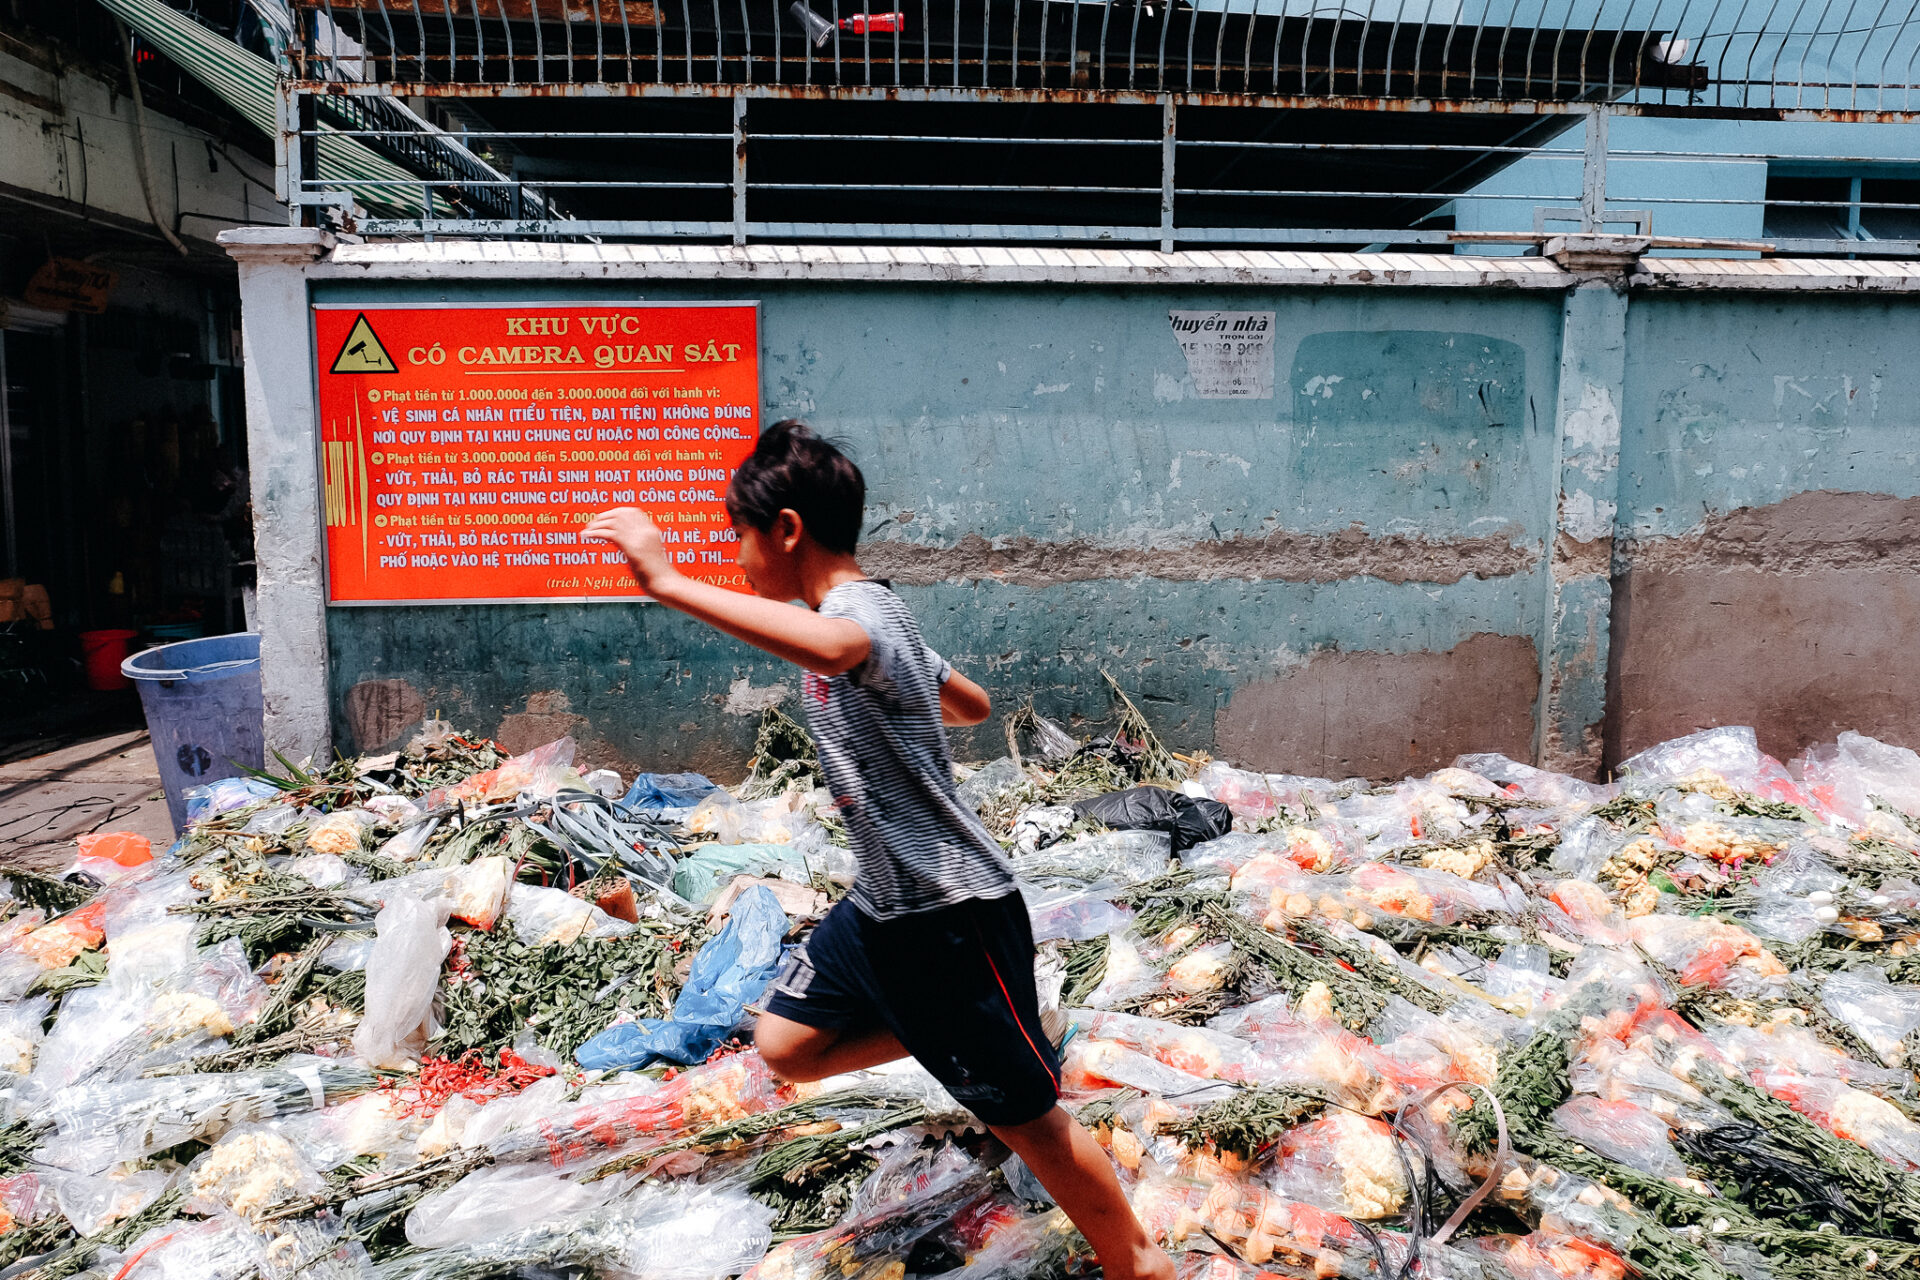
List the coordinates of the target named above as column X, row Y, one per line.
column 730, row 972
column 668, row 791
column 227, row 793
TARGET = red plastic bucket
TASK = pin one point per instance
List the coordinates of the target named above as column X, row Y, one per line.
column 101, row 653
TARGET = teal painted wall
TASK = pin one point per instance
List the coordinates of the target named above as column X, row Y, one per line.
column 1350, row 577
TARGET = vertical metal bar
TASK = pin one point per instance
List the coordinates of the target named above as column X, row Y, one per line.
column 1853, row 89
column 420, row 32
column 1106, row 21
column 739, row 168
column 1593, row 173
column 896, row 46
column 866, row 57
column 1880, row 79
column 1046, row 17
column 1853, row 209
column 1773, row 68
column 659, row 45
column 479, row 46
column 779, row 55
column 285, row 145
column 393, row 45
column 686, row 27
column 7, row 516
column 1220, row 45
column 307, row 122
column 1167, row 147
column 566, row 29
column 926, row 44
column 626, row 36
column 956, row 44
column 1246, row 48
column 746, row 42
column 837, row 80
column 1013, row 67
column 1193, row 29
column 1500, row 57
column 506, row 29
column 719, row 45
column 1073, row 41
column 1393, row 39
column 1840, row 28
column 453, row 45
column 539, row 43
column 986, row 39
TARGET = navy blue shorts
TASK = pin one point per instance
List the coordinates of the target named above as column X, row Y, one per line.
column 954, row 985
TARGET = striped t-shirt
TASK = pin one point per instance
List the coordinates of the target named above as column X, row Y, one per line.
column 884, row 753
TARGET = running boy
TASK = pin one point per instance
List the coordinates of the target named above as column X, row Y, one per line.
column 930, row 954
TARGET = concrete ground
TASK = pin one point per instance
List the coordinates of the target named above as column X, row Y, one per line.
column 107, row 783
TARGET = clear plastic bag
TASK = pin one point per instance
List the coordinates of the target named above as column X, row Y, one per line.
column 1348, row 1163
column 542, row 917
column 1881, row 1013
column 402, row 975
column 1198, row 1051
column 91, row 1203
column 989, row 781
column 1549, row 790
column 1624, row 1132
column 873, row 1246
column 1113, row 858
column 493, row 1201
column 1843, row 779
column 1706, row 952
column 21, row 1034
column 95, row 1126
column 729, row 1089
column 251, row 1169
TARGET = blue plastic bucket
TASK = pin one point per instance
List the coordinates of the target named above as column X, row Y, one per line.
column 202, row 699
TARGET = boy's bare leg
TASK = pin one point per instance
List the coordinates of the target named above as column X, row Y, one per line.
column 1073, row 1168
column 800, row 1053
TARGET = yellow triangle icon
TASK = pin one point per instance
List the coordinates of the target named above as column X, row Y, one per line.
column 362, row 352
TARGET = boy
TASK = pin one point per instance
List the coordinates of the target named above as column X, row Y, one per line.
column 930, row 954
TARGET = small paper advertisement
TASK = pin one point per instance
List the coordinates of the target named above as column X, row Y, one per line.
column 1229, row 353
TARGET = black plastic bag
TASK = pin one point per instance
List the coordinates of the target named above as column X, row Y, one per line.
column 1189, row 820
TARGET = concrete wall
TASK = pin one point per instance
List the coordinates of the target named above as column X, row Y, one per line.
column 1519, row 509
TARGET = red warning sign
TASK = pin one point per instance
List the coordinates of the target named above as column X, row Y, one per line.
column 463, row 448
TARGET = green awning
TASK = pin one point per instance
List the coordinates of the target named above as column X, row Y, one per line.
column 245, row 81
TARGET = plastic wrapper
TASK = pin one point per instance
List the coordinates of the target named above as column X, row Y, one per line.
column 1549, row 790
column 1110, row 858
column 108, row 856
column 540, row 772
column 1345, row 1162
column 542, row 917
column 700, row 876
column 250, row 1170
column 655, row 1234
column 92, row 1202
column 655, row 791
column 1090, row 1065
column 475, row 892
column 1880, row 1013
column 729, row 972
column 1257, row 795
column 226, row 794
column 1187, row 820
column 1712, row 953
column 733, row 1087
column 1843, row 779
column 98, row 1125
column 1041, row 825
column 1074, row 914
column 1315, row 1056
column 402, row 974
column 874, row 1245
column 21, row 1033
column 337, row 833
column 1543, row 1255
column 1198, row 1051
column 1622, row 1131
column 1049, row 741
column 988, row 781
column 494, row 1201
column 775, row 820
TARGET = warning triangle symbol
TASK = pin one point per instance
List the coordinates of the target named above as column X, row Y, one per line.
column 362, row 352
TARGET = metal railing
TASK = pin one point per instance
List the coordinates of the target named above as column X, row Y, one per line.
column 1367, row 125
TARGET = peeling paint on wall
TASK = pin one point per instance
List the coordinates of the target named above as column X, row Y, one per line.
column 1386, row 714
column 1284, row 556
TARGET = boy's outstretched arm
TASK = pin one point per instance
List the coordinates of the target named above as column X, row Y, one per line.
column 963, row 702
column 825, row 646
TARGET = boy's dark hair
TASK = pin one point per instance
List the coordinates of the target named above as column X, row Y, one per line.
column 792, row 468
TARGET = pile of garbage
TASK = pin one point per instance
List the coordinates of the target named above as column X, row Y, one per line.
column 450, row 1013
